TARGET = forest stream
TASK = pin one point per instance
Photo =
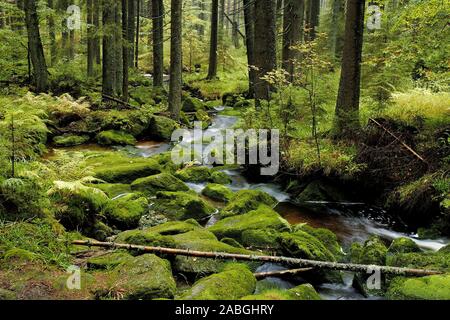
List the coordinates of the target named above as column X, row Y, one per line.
column 350, row 221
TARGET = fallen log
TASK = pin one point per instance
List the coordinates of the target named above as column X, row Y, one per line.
column 280, row 273
column 285, row 260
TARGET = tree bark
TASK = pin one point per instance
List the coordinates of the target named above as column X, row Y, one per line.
column 63, row 4
column 35, row 48
column 131, row 30
column 249, row 14
column 96, row 23
column 175, row 59
column 158, row 42
column 125, row 51
column 314, row 18
column 212, row 71
column 90, row 38
column 51, row 32
column 318, row 265
column 138, row 26
column 292, row 33
column 346, row 122
column 265, row 45
column 118, row 47
column 108, row 66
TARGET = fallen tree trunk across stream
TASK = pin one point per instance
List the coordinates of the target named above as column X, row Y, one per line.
column 275, row 259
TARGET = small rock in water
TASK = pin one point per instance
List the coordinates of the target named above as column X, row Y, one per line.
column 152, row 219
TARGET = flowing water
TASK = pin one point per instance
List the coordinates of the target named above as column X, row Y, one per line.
column 351, row 222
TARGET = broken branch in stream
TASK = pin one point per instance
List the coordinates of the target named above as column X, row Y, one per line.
column 285, row 260
column 280, row 273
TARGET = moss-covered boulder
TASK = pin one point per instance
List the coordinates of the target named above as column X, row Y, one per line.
column 161, row 128
column 328, row 238
column 165, row 161
column 113, row 137
column 182, row 205
column 113, row 189
column 262, row 218
column 70, row 140
column 435, row 287
column 142, row 95
column 159, row 182
column 302, row 292
column 445, row 249
column 144, row 277
column 403, row 245
column 320, row 191
column 217, row 192
column 262, row 239
column 108, row 261
column 234, row 282
column 194, row 174
column 247, row 200
column 204, row 118
column 125, row 212
column 191, row 104
column 114, row 167
column 220, row 177
column 425, row 260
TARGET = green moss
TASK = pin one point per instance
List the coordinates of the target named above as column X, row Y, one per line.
column 435, row 287
column 302, row 292
column 69, row 140
column 373, row 252
column 145, row 277
column 403, row 245
column 248, row 200
column 320, row 191
column 142, row 95
column 114, row 167
column 182, row 205
column 161, row 128
column 112, row 189
column 445, row 249
column 303, row 245
column 425, row 260
column 217, row 192
column 165, row 161
column 231, row 242
column 108, row 260
column 203, row 116
column 7, row 294
column 191, row 104
column 233, row 283
column 266, row 239
column 124, row 213
column 327, row 237
column 113, row 137
column 194, row 174
column 220, row 177
column 159, row 182
column 262, row 218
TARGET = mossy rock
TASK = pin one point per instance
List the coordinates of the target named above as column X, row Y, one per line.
column 403, row 245
column 113, row 138
column 436, row 287
column 125, row 212
column 165, row 161
column 425, row 260
column 194, row 174
column 145, row 277
column 182, row 205
column 113, row 189
column 320, row 191
column 234, row 282
column 327, row 237
column 217, row 192
column 69, row 140
column 191, row 104
column 429, row 233
column 264, row 239
column 232, row 242
column 262, row 218
column 247, row 200
column 445, row 249
column 301, row 292
column 159, row 182
column 243, row 104
column 204, row 118
column 108, row 261
column 220, row 177
column 142, row 95
column 161, row 128
column 118, row 168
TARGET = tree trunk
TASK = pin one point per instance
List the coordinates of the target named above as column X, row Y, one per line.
column 235, row 35
column 63, row 4
column 125, row 51
column 212, row 71
column 249, row 14
column 109, row 66
column 118, row 47
column 265, row 45
column 90, row 39
column 336, row 7
column 312, row 18
column 292, row 33
column 51, row 32
column 96, row 22
column 131, row 30
column 138, row 26
column 158, row 42
column 35, row 48
column 175, row 59
column 346, row 122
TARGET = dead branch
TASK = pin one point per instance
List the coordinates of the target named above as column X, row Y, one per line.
column 280, row 273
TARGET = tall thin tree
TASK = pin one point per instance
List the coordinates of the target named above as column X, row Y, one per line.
column 108, row 48
column 212, row 71
column 292, row 33
column 175, row 59
column 346, row 121
column 125, row 51
column 249, row 14
column 158, row 42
